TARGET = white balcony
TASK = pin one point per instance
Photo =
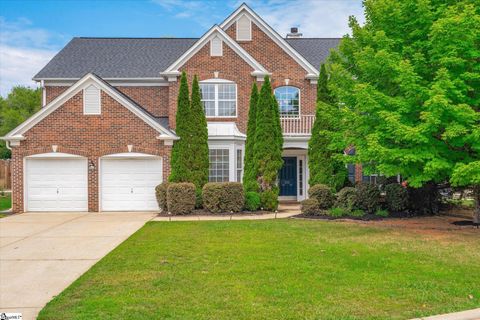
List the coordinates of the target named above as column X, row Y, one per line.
column 297, row 126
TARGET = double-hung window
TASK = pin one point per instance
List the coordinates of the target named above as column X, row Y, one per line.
column 219, row 169
column 219, row 99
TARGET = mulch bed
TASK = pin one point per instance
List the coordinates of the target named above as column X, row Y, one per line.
column 202, row 212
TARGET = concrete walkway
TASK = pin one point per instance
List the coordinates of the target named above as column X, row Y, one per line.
column 42, row 253
column 463, row 315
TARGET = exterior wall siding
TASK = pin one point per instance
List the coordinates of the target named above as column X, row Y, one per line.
column 91, row 136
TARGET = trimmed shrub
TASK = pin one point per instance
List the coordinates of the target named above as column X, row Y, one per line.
column 338, row 212
column 252, row 201
column 396, row 197
column 357, row 213
column 161, row 194
column 181, row 198
column 323, row 194
column 269, row 200
column 198, row 199
column 381, row 213
column 368, row 197
column 223, row 197
column 310, row 207
column 346, row 198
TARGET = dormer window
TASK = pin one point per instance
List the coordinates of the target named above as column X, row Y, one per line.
column 91, row 100
column 244, row 28
column 219, row 98
column 216, row 47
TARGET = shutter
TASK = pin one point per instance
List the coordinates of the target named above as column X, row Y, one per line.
column 244, row 29
column 91, row 100
column 216, row 47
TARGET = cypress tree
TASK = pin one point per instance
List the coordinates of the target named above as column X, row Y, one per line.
column 198, row 139
column 250, row 175
column 323, row 162
column 180, row 152
column 267, row 150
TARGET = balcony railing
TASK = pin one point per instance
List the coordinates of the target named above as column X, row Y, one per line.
column 297, row 126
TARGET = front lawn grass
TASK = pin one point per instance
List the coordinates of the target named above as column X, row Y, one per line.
column 277, row 269
column 5, row 202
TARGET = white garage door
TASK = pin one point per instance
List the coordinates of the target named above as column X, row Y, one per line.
column 129, row 184
column 56, row 185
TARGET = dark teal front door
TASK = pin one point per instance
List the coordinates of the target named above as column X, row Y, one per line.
column 288, row 177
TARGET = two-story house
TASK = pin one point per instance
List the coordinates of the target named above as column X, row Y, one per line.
column 103, row 139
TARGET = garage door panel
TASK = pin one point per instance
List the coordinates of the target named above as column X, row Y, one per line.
column 56, row 185
column 129, row 184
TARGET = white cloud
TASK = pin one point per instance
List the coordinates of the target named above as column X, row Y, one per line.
column 24, row 50
column 314, row 18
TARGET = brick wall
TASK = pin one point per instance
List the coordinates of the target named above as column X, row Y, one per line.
column 91, row 136
column 153, row 99
column 54, row 91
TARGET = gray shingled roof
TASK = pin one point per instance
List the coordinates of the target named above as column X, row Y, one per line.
column 145, row 57
column 315, row 50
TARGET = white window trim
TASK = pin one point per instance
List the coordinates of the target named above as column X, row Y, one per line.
column 217, row 82
column 241, row 163
column 299, row 103
column 236, row 26
column 99, row 101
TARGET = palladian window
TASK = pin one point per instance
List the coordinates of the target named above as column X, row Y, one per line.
column 288, row 98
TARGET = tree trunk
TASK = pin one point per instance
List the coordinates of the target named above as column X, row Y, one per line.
column 476, row 196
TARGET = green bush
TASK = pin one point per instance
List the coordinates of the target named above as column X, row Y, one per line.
column 198, row 199
column 252, row 201
column 269, row 200
column 223, row 197
column 310, row 207
column 368, row 197
column 346, row 198
column 357, row 213
column 338, row 212
column 382, row 213
column 161, row 194
column 180, row 198
column 323, row 194
column 396, row 197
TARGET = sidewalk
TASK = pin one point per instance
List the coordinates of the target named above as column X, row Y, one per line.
column 463, row 315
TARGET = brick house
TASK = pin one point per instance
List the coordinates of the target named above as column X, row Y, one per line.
column 104, row 136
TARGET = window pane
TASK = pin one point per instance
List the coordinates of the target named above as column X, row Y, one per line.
column 226, row 91
column 219, row 165
column 288, row 100
column 208, row 91
column 209, row 107
column 226, row 108
column 239, row 165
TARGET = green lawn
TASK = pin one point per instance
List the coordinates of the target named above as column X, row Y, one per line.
column 280, row 269
column 5, row 202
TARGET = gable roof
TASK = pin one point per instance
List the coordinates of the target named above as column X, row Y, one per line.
column 90, row 78
column 315, row 50
column 215, row 31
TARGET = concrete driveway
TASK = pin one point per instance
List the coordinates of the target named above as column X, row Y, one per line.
column 42, row 253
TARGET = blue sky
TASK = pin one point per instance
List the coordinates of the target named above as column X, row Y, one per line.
column 31, row 32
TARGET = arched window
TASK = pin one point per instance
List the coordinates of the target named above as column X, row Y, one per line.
column 288, row 98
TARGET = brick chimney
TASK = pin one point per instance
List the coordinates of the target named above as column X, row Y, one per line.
column 294, row 33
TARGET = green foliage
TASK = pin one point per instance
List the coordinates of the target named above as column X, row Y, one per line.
column 396, row 197
column 198, row 139
column 269, row 199
column 223, row 197
column 198, row 199
column 19, row 105
column 368, row 197
column 311, row 207
column 323, row 194
column 252, row 201
column 409, row 82
column 381, row 213
column 346, row 198
column 325, row 147
column 267, row 148
column 181, row 154
column 338, row 212
column 250, row 175
column 180, row 198
column 357, row 213
column 161, row 194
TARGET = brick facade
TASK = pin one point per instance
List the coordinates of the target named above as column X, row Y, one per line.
column 91, row 136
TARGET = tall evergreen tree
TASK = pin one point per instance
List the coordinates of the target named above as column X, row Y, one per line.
column 181, row 149
column 267, row 150
column 198, row 139
column 250, row 175
column 324, row 148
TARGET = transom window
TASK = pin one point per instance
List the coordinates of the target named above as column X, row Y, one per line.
column 219, row 99
column 288, row 98
column 219, row 165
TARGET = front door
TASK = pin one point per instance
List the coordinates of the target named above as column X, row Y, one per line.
column 288, row 177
